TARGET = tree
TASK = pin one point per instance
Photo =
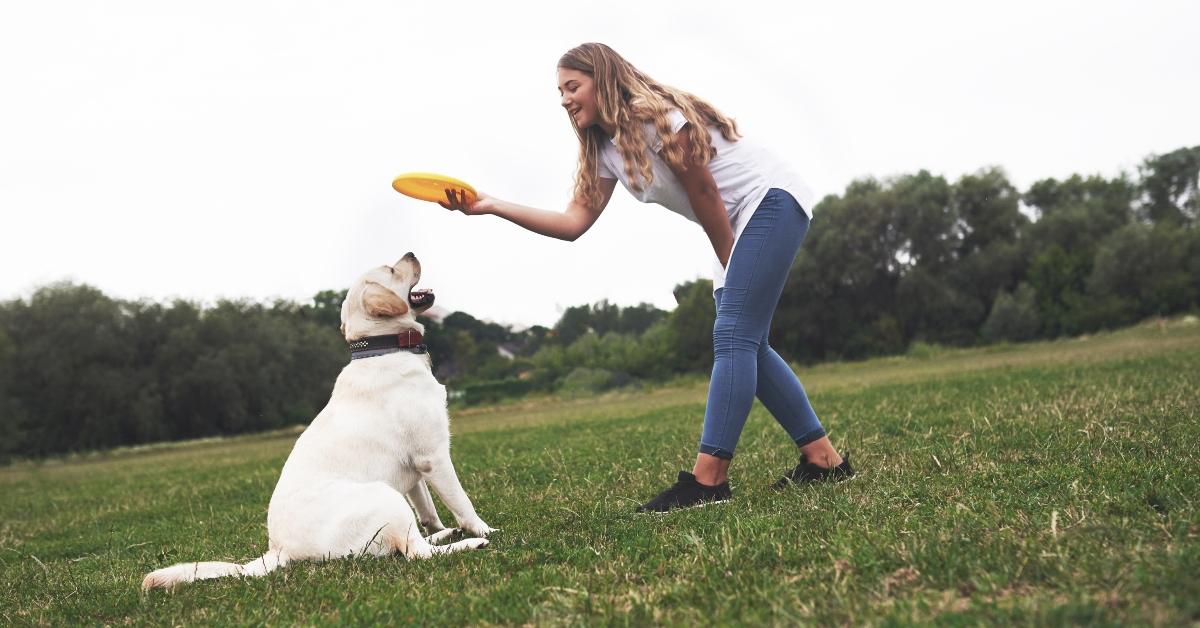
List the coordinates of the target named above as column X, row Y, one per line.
column 691, row 327
column 638, row 318
column 932, row 310
column 927, row 222
column 574, row 322
column 604, row 317
column 14, row 421
column 990, row 259
column 1058, row 278
column 69, row 341
column 988, row 210
column 1169, row 187
column 326, row 308
column 1075, row 215
column 840, row 293
column 1141, row 270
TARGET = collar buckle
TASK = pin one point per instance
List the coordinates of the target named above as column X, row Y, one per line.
column 408, row 340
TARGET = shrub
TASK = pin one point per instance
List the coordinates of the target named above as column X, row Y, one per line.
column 1014, row 317
column 584, row 380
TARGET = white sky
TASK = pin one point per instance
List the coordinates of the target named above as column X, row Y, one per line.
column 245, row 148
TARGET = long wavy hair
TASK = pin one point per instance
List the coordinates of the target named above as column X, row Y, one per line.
column 627, row 99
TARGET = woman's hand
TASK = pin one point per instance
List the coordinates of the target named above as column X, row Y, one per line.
column 568, row 225
column 483, row 204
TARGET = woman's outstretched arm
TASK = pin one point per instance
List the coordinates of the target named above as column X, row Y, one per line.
column 568, row 225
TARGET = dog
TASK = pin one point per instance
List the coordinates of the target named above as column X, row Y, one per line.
column 383, row 437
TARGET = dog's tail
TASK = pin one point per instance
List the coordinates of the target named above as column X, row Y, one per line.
column 168, row 577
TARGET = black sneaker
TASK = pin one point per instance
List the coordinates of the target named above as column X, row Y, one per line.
column 687, row 493
column 809, row 472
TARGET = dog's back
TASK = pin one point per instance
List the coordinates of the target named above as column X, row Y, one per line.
column 384, row 413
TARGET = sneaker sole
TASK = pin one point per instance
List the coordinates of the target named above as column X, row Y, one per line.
column 700, row 505
column 813, row 482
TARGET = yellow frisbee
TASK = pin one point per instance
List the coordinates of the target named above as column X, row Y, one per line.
column 428, row 186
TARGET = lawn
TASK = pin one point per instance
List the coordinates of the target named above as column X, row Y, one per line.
column 1045, row 483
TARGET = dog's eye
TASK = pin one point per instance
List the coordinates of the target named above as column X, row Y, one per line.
column 391, row 270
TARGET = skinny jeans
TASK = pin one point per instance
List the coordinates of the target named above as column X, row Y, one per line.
column 745, row 365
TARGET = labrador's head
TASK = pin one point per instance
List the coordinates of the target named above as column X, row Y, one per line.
column 383, row 301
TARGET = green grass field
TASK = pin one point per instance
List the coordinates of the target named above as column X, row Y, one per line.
column 1046, row 483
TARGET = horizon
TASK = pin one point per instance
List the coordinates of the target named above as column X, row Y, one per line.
column 438, row 312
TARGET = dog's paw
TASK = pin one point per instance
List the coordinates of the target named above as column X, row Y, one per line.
column 442, row 535
column 432, row 527
column 474, row 543
column 477, row 528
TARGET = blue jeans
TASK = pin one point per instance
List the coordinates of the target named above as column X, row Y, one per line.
column 744, row 364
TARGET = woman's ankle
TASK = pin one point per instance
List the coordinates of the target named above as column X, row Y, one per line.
column 821, row 453
column 711, row 470
column 827, row 461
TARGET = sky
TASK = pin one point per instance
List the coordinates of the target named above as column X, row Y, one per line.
column 245, row 149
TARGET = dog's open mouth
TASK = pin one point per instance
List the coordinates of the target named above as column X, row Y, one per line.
column 420, row 300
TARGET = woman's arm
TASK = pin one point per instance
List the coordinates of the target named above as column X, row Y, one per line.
column 567, row 225
column 705, row 199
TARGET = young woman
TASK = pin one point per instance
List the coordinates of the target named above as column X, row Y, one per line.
column 669, row 147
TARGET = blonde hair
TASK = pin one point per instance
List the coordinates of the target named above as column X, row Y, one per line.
column 628, row 99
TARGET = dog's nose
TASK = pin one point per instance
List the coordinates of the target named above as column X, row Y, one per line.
column 411, row 260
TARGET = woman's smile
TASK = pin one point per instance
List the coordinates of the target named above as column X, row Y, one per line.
column 577, row 90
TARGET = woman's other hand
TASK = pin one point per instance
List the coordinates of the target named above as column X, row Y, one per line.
column 456, row 200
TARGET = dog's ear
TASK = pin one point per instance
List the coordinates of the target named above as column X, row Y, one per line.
column 379, row 302
column 345, row 313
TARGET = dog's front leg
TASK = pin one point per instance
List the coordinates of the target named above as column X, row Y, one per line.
column 440, row 474
column 427, row 514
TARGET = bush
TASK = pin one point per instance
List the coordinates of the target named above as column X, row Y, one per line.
column 1014, row 317
column 485, row 392
column 584, row 380
column 924, row 350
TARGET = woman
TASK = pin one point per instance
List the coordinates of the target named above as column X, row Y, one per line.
column 672, row 148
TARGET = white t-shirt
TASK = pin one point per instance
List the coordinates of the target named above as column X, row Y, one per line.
column 743, row 171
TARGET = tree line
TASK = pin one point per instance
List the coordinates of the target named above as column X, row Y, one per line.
column 913, row 258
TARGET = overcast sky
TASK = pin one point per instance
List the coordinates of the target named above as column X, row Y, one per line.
column 215, row 149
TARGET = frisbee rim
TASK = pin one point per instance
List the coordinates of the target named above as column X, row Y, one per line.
column 419, row 186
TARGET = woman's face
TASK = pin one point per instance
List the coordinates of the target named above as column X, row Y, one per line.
column 578, row 92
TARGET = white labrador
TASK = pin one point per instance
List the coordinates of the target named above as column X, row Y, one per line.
column 383, row 435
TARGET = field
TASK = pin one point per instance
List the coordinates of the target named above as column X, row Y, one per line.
column 1045, row 483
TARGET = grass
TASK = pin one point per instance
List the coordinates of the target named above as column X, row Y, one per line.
column 1046, row 483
